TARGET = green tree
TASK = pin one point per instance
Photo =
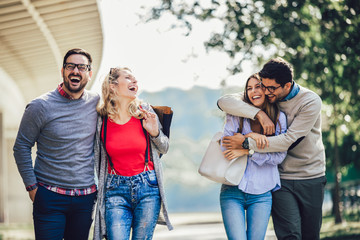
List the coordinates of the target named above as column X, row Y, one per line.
column 320, row 39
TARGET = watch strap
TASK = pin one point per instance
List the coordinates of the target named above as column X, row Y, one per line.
column 245, row 144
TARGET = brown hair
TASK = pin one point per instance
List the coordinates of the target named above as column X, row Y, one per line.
column 78, row 51
column 271, row 109
column 278, row 69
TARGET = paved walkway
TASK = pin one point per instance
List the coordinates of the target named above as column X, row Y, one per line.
column 197, row 226
column 187, row 226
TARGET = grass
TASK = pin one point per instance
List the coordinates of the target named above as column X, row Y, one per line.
column 349, row 229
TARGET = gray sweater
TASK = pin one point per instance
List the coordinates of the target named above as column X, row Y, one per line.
column 159, row 144
column 64, row 132
column 307, row 159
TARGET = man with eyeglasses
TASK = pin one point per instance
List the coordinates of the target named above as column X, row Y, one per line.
column 62, row 124
column 297, row 206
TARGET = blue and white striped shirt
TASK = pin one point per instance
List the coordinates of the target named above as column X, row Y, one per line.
column 261, row 174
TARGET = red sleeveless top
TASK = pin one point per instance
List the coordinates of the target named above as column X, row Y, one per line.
column 126, row 146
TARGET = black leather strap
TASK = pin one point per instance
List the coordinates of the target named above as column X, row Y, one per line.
column 148, row 145
column 104, row 129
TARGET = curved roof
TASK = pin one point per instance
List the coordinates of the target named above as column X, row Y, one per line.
column 36, row 34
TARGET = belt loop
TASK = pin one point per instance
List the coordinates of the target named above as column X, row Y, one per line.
column 111, row 177
column 118, row 179
column 142, row 178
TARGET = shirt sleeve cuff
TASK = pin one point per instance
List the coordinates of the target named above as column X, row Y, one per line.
column 31, row 187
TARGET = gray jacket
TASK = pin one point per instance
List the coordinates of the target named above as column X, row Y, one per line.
column 159, row 145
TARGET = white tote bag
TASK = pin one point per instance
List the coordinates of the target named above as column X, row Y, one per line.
column 216, row 167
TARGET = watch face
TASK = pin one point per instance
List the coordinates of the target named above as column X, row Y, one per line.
column 251, row 151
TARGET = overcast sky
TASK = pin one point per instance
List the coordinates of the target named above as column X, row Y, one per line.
column 160, row 57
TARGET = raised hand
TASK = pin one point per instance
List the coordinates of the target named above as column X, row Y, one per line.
column 150, row 123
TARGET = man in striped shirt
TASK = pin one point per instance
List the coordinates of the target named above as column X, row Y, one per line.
column 62, row 124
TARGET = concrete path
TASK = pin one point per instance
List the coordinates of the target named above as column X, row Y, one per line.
column 197, row 226
column 187, row 226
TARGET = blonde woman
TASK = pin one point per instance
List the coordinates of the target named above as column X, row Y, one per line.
column 129, row 139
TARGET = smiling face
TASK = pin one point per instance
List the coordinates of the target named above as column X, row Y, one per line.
column 75, row 80
column 126, row 85
column 278, row 92
column 255, row 93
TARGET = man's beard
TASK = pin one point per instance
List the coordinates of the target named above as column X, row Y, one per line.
column 67, row 85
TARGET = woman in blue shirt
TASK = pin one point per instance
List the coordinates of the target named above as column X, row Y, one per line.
column 246, row 208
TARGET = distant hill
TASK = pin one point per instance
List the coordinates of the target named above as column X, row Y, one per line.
column 196, row 119
column 195, row 111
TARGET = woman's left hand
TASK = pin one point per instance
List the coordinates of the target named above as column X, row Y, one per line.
column 150, row 123
column 235, row 153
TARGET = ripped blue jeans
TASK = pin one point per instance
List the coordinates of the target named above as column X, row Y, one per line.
column 132, row 203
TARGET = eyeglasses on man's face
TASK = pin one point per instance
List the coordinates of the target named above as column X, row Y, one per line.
column 271, row 89
column 80, row 67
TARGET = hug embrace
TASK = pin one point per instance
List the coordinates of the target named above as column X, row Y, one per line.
column 289, row 123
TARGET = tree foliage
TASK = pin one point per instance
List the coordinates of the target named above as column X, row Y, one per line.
column 320, row 39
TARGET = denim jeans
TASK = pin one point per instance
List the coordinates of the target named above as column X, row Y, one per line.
column 245, row 216
column 132, row 203
column 58, row 216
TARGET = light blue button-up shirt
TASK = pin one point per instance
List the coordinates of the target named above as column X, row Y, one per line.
column 261, row 174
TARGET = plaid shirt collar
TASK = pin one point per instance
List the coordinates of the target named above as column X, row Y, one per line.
column 63, row 93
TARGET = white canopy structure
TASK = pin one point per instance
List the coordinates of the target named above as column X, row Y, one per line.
column 34, row 37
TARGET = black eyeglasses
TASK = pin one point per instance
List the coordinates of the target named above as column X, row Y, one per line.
column 271, row 89
column 81, row 67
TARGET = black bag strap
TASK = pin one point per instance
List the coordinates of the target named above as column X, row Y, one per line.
column 148, row 145
column 104, row 129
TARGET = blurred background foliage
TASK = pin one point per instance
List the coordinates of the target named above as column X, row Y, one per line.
column 319, row 38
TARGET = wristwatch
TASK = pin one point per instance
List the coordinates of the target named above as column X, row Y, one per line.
column 245, row 144
column 251, row 152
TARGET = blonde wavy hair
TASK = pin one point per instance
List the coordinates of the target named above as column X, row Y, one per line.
column 271, row 109
column 110, row 99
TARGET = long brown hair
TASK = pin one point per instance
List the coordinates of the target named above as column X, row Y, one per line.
column 271, row 109
column 110, row 99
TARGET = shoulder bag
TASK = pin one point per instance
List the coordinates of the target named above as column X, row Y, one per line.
column 217, row 168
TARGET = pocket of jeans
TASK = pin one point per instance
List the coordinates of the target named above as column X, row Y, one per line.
column 37, row 195
column 151, row 180
column 225, row 187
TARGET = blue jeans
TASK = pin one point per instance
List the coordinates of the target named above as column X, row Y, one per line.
column 58, row 216
column 132, row 202
column 251, row 226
